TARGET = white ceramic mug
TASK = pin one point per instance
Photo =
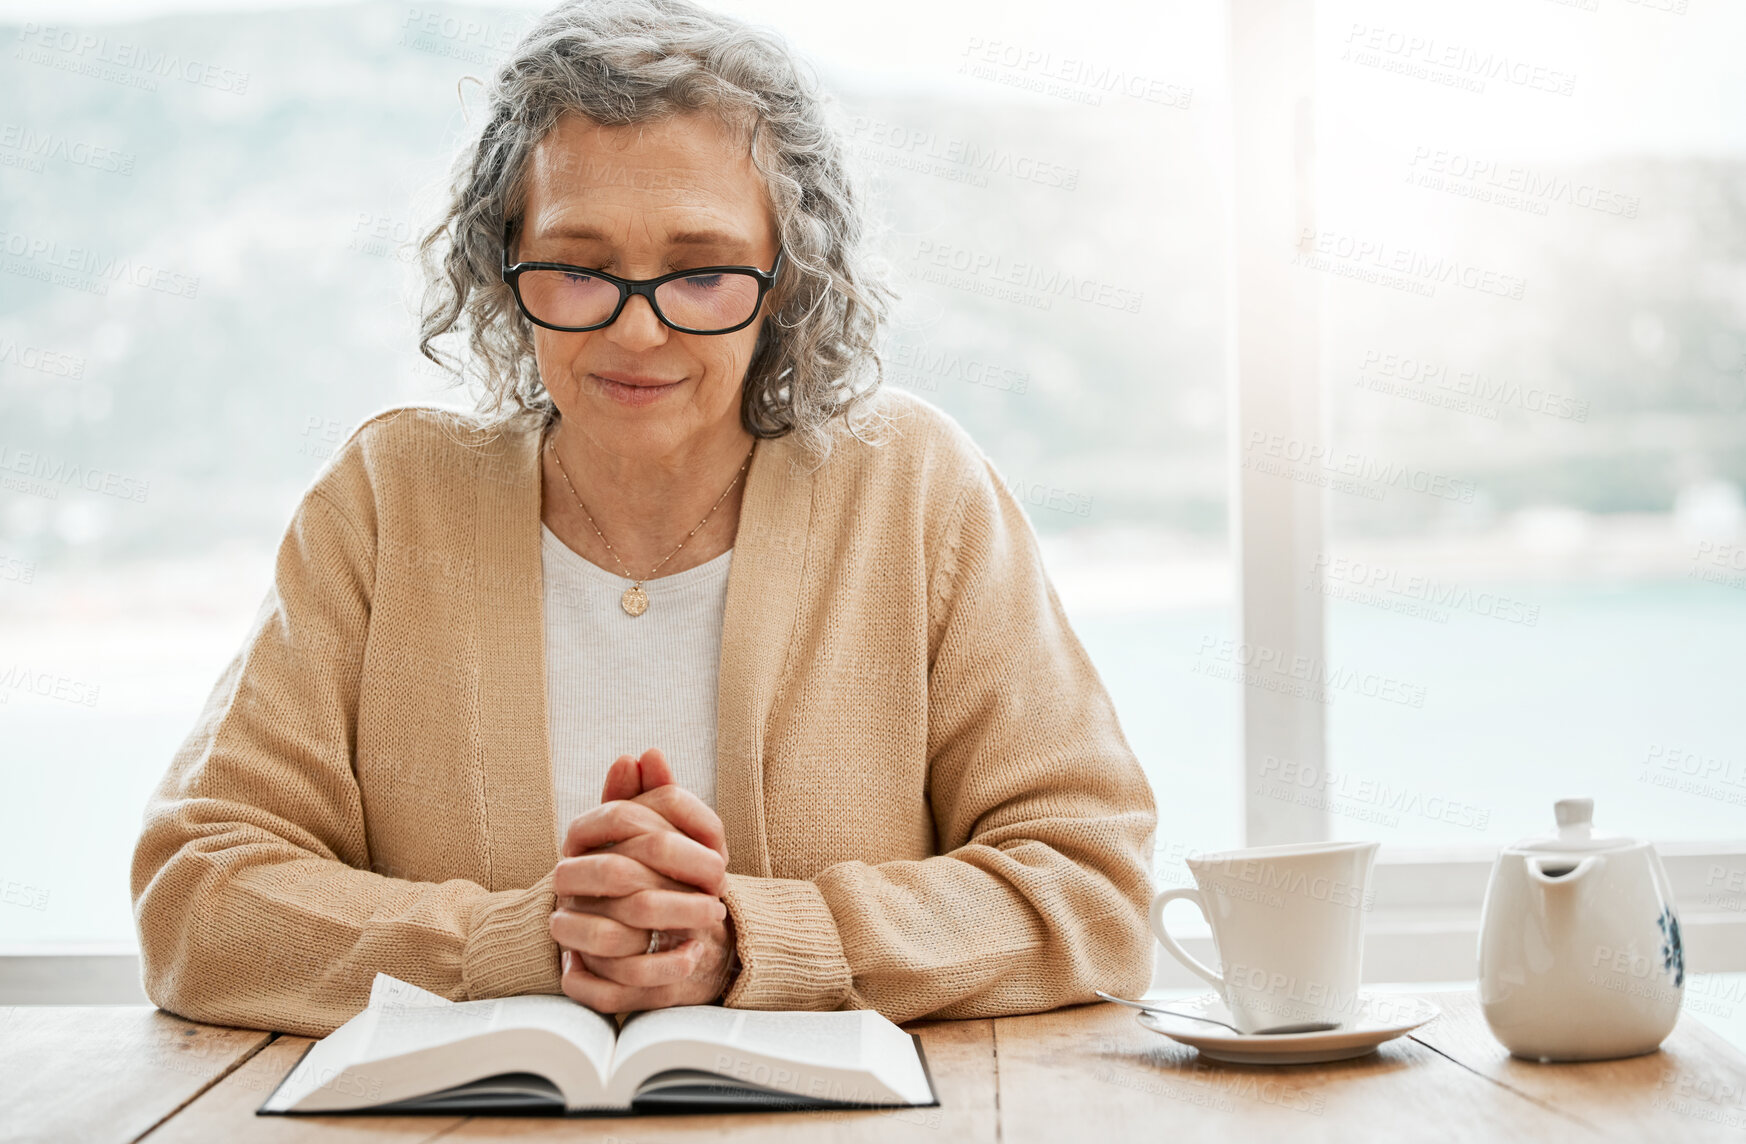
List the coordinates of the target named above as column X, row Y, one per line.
column 1288, row 925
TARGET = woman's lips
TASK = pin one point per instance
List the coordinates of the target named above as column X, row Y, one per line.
column 629, row 390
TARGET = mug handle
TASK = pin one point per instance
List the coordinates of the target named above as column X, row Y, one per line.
column 1170, row 943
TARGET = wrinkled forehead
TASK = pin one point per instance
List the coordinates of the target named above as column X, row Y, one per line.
column 690, row 163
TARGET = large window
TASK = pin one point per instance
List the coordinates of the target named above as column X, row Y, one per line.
column 1374, row 375
column 1529, row 230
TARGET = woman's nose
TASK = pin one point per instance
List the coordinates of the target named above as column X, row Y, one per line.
column 636, row 326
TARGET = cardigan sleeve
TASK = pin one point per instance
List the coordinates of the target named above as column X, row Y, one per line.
column 1043, row 819
column 253, row 895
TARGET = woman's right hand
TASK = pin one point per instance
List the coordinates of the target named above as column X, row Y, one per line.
column 652, row 857
column 647, row 782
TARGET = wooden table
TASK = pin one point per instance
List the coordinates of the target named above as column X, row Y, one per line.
column 126, row 1073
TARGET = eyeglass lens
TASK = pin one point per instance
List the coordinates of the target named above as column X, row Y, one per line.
column 698, row 301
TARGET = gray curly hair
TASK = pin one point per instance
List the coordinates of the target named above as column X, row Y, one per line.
column 621, row 62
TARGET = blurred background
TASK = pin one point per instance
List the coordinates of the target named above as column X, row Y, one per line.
column 1529, row 236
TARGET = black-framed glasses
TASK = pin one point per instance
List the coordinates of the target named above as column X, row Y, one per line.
column 575, row 299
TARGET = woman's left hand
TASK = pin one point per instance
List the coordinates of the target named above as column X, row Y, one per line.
column 605, row 940
column 695, row 973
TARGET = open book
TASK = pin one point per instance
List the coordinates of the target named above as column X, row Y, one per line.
column 413, row 1051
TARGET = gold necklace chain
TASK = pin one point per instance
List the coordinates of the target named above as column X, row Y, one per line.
column 635, row 601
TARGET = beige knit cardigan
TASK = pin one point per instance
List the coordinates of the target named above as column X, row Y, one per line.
column 930, row 807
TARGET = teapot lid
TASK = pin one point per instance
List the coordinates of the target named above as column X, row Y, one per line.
column 1576, row 832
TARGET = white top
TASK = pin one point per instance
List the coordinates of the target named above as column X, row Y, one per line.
column 618, row 685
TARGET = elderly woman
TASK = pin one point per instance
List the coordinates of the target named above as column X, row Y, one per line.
column 861, row 759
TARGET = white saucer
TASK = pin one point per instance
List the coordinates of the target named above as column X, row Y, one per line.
column 1381, row 1017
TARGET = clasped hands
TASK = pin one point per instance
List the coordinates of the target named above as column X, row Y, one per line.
column 643, row 871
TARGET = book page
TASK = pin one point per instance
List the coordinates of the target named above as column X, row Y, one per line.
column 387, row 990
column 709, row 1023
column 851, row 1057
column 576, row 1023
column 401, row 1029
column 405, row 1030
column 409, row 1043
column 518, row 1092
column 326, row 1060
column 829, row 1039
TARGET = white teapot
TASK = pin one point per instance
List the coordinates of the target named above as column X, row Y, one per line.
column 1579, row 951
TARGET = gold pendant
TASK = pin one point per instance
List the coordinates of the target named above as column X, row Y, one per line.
column 635, row 601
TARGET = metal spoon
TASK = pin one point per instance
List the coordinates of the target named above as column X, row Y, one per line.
column 1273, row 1031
